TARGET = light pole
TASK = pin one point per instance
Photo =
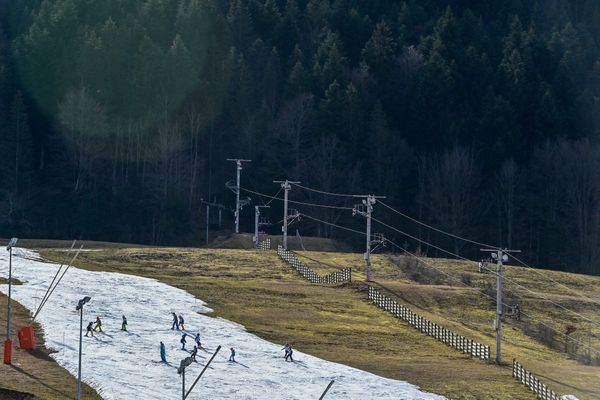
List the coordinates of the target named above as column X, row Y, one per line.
column 8, row 342
column 186, row 362
column 80, row 309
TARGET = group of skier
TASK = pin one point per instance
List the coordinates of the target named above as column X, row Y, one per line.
column 94, row 326
column 178, row 324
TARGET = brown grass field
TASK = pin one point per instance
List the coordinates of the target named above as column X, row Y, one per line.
column 337, row 323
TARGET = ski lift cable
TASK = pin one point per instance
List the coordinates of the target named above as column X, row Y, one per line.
column 491, row 297
column 261, row 200
column 322, row 191
column 65, row 258
column 297, row 202
column 581, row 295
column 487, row 245
column 493, row 272
column 274, row 197
column 56, row 284
column 334, row 225
column 437, row 229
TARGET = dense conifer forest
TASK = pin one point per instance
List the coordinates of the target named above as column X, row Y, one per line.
column 480, row 118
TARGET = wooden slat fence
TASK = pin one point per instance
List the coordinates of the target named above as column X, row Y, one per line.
column 532, row 382
column 264, row 244
column 342, row 276
column 444, row 335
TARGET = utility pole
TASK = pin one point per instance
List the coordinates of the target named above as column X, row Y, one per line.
column 500, row 255
column 257, row 222
column 366, row 209
column 286, row 185
column 238, row 163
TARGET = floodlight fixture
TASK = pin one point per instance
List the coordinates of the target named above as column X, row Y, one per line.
column 11, row 244
column 186, row 362
column 82, row 302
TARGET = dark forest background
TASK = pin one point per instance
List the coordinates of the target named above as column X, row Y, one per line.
column 481, row 118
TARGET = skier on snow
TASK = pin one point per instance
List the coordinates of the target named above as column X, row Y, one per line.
column 175, row 324
column 287, row 350
column 181, row 323
column 163, row 353
column 124, row 324
column 288, row 353
column 193, row 353
column 197, row 340
column 98, row 324
column 183, row 341
column 89, row 329
column 232, row 355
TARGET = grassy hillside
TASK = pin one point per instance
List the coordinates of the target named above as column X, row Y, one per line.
column 450, row 292
column 257, row 290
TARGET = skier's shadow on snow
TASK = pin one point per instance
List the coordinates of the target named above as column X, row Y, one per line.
column 301, row 364
column 239, row 363
column 132, row 334
column 100, row 340
column 106, row 334
column 66, row 346
column 165, row 363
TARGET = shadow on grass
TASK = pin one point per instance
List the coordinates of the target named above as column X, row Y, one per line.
column 35, row 378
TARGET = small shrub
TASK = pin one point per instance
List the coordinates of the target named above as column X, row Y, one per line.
column 466, row 279
column 489, row 291
column 416, row 271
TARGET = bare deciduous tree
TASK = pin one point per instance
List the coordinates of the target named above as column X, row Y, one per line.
column 449, row 181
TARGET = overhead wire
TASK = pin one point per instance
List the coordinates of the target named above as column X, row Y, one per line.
column 42, row 304
column 485, row 245
column 436, row 229
column 453, row 236
column 490, row 297
column 488, row 245
column 261, row 200
column 582, row 296
column 322, row 191
column 297, row 202
column 334, row 225
column 493, row 272
column 419, row 240
column 65, row 258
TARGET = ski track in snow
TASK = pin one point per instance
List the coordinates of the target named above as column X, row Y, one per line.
column 126, row 365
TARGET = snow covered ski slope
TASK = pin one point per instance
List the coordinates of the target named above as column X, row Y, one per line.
column 126, row 365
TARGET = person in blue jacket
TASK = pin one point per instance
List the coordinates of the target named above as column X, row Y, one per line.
column 163, row 352
column 232, row 355
column 197, row 340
